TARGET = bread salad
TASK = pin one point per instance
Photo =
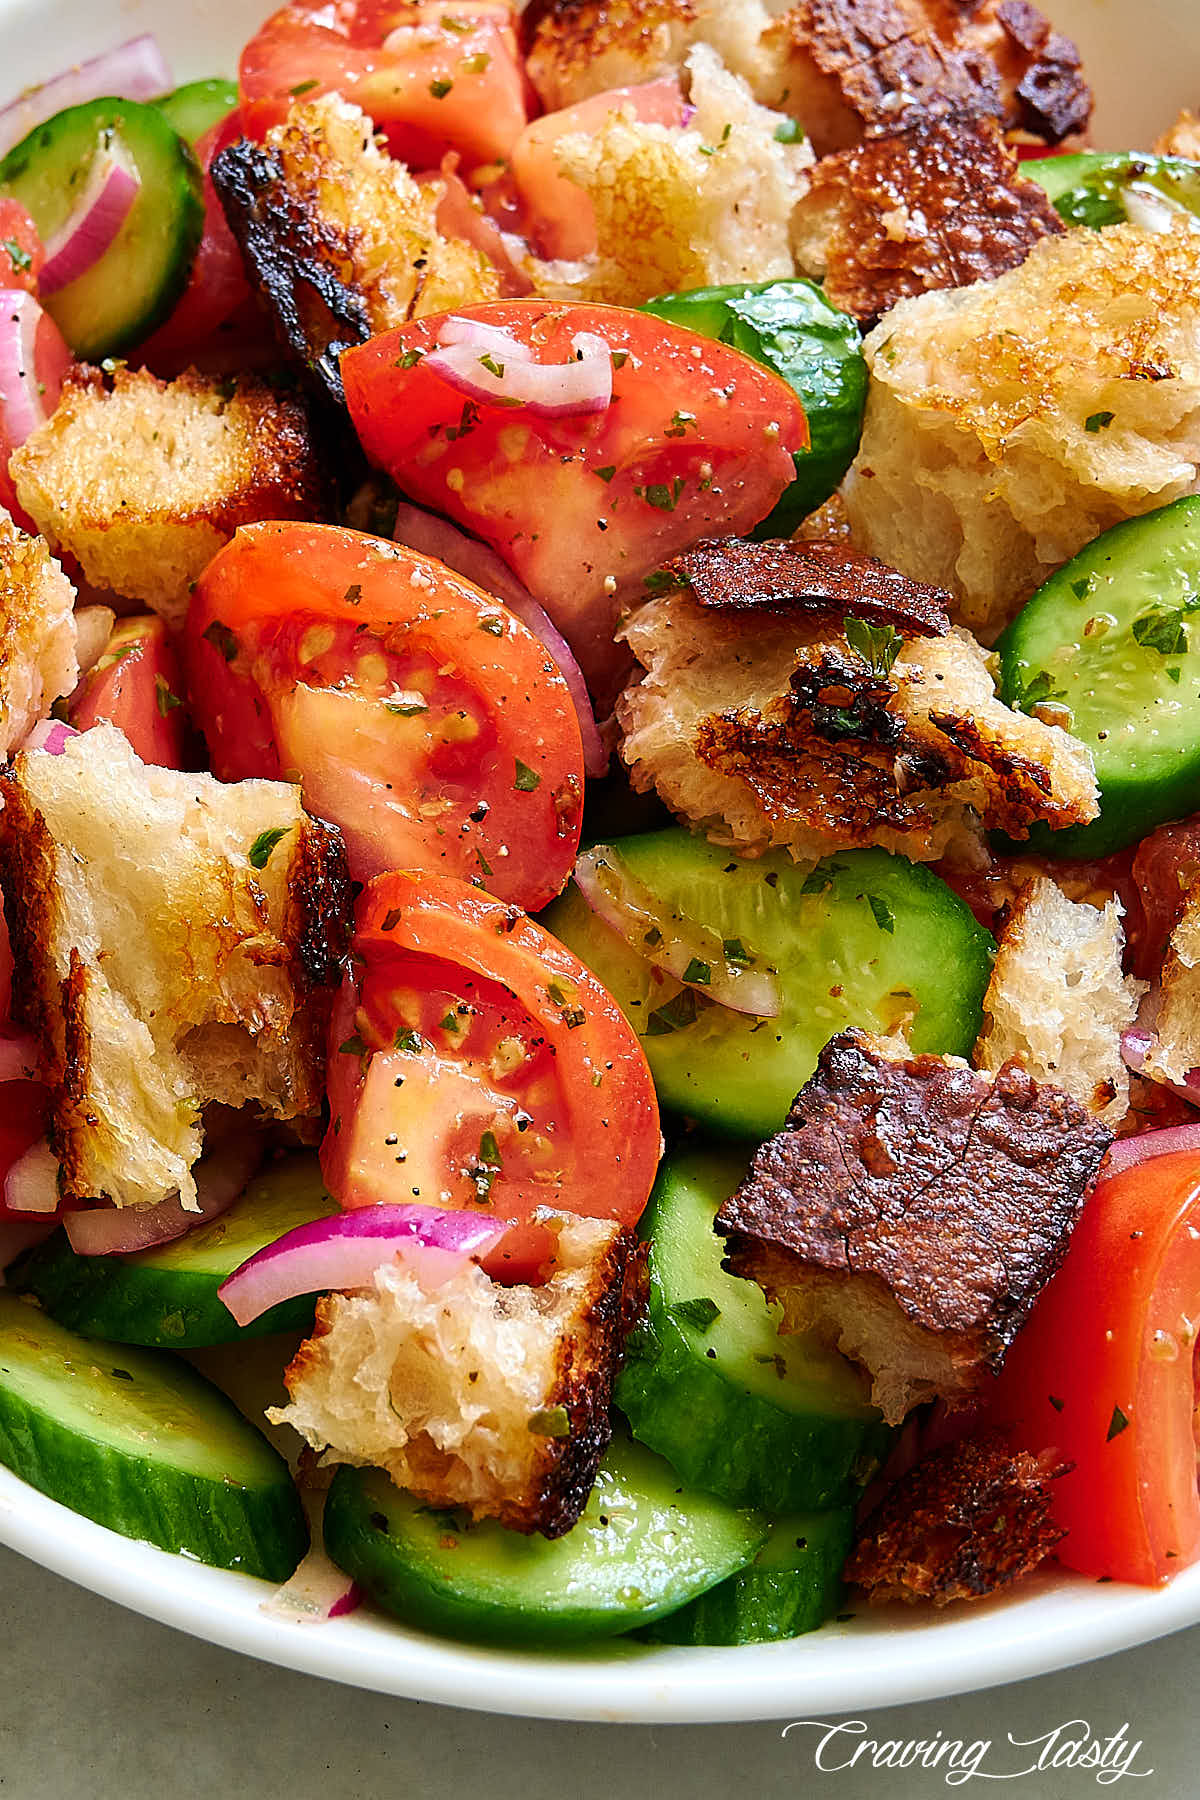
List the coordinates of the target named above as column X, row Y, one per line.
column 600, row 813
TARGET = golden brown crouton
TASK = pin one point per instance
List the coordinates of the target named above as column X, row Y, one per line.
column 37, row 634
column 1059, row 1000
column 938, row 204
column 472, row 1395
column 1183, row 139
column 970, row 1519
column 337, row 236
column 768, row 729
column 176, row 941
column 143, row 480
column 1010, row 423
column 911, row 1211
column 576, row 48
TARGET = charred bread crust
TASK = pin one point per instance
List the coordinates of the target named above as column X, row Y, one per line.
column 562, row 39
column 938, row 204
column 319, row 893
column 950, row 1194
column 822, row 579
column 967, row 1521
column 1051, row 97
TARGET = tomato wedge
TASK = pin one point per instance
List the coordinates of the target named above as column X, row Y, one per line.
column 421, row 716
column 698, row 440
column 137, row 685
column 475, row 1062
column 21, row 250
column 1104, row 1373
column 440, row 75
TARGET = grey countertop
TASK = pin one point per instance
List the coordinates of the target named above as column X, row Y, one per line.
column 99, row 1704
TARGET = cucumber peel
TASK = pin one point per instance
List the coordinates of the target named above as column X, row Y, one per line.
column 793, row 1585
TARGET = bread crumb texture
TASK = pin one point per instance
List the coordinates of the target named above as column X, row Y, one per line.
column 37, row 634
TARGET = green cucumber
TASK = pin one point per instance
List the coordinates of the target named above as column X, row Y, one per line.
column 1093, row 188
column 864, row 939
column 196, row 108
column 793, row 1585
column 167, row 1297
column 791, row 328
column 1114, row 638
column 140, row 1443
column 755, row 1418
column 643, row 1547
column 129, row 290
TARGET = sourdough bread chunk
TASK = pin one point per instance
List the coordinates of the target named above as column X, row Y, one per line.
column 968, row 1520
column 938, row 204
column 1059, row 999
column 37, row 634
column 159, row 964
column 341, row 241
column 1174, row 1051
column 683, row 208
column 1010, row 423
column 765, row 727
column 911, row 1211
column 470, row 1394
column 144, row 480
column 576, row 48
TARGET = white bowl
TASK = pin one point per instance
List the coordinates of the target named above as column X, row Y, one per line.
column 1144, row 62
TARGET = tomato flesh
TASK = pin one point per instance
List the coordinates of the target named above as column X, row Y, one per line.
column 21, row 250
column 475, row 1063
column 137, row 685
column 419, row 715
column 1103, row 1373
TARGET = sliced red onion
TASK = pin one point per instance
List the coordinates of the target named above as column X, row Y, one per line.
column 22, row 391
column 497, row 377
column 134, row 70
column 31, row 1184
column 93, row 222
column 1140, row 1039
column 50, row 735
column 319, row 1590
column 1135, row 1045
column 345, row 1251
column 18, row 1059
column 221, row 1176
column 1128, row 1152
column 434, row 536
column 492, row 340
column 691, row 953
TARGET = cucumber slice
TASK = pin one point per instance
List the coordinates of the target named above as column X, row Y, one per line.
column 167, row 1297
column 139, row 1442
column 865, row 939
column 196, row 108
column 1095, row 187
column 1114, row 637
column 643, row 1547
column 757, row 1419
column 129, row 290
column 793, row 1585
column 790, row 327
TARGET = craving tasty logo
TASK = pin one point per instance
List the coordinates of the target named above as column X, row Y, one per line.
column 1071, row 1746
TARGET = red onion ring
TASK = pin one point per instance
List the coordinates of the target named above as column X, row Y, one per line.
column 318, row 1590
column 134, row 70
column 50, row 735
column 31, row 1183
column 29, row 384
column 490, row 366
column 1128, row 1152
column 221, row 1177
column 344, row 1252
column 93, row 223
column 493, row 340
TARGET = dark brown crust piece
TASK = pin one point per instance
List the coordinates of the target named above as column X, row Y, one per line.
column 822, row 580
column 939, row 204
column 969, row 1520
column 956, row 1193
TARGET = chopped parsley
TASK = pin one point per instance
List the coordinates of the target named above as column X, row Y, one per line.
column 476, row 64
column 485, row 1171
column 789, row 131
column 166, row 702
column 304, row 87
column 264, row 843
column 391, row 919
column 700, row 1314
column 353, row 594
column 1099, row 421
column 660, row 496
column 551, row 1422
column 408, row 708
column 698, row 971
column 527, row 779
column 450, row 1022
column 882, row 913
column 676, row 1014
column 607, row 472
column 1116, row 1425
column 21, row 259
column 737, row 953
column 410, row 359
column 353, row 1046
column 440, row 88
column 662, row 581
column 412, row 1041
column 487, row 361
column 878, row 645
column 493, row 624
column 1162, row 629
column 221, row 638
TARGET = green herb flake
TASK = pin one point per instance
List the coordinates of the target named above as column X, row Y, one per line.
column 1055, row 1402
column 391, row 919
column 166, row 702
column 789, row 131
column 1099, row 421
column 1161, row 630
column 488, row 1166
column 1173, row 675
column 493, row 624
column 698, row 971
column 450, row 1022
column 701, row 1315
column 409, row 360
column 663, row 581
column 607, row 472
column 353, row 1046
column 653, row 937
column 878, row 645
column 882, row 913
column 1083, row 587
column 221, row 638
column 440, row 88
column 353, row 594
column 620, row 358
column 303, row 87
column 487, row 361
column 1116, row 1425
column 21, row 259
column 737, row 953
column 676, row 1014
column 680, row 421
column 660, row 496
column 475, row 65
column 452, row 23
column 550, row 1422
column 412, row 1041
column 528, row 780
column 406, row 709
column 264, row 843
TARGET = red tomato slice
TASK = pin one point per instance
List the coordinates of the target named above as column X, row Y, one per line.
column 21, row 250
column 440, row 75
column 561, row 219
column 137, row 685
column 423, row 718
column 698, row 441
column 475, row 1062
column 1103, row 1372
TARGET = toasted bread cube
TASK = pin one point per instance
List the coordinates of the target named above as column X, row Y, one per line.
column 1183, row 139
column 1059, row 999
column 176, row 941
column 680, row 208
column 474, row 1395
column 911, row 1211
column 143, row 480
column 968, row 1520
column 577, row 48
column 938, row 204
column 37, row 634
column 765, row 729
column 977, row 469
column 1173, row 1055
